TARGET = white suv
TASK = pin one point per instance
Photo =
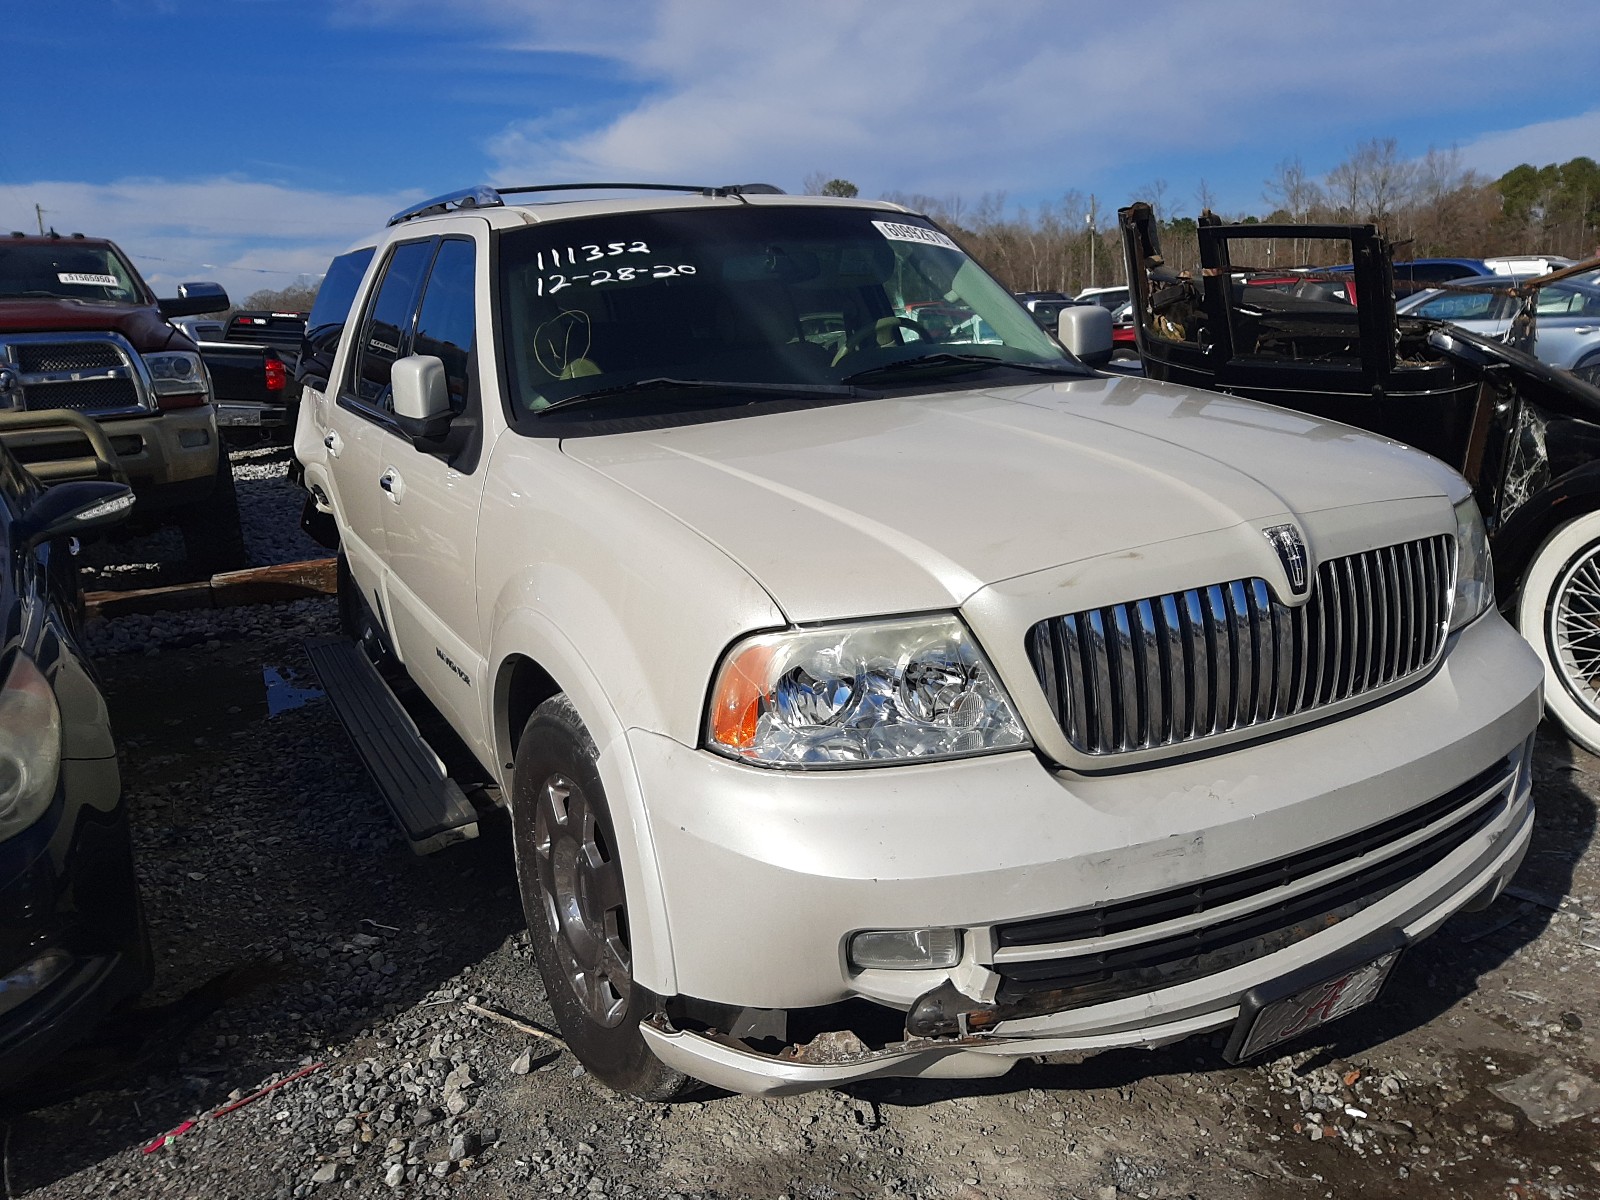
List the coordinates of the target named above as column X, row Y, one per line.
column 870, row 699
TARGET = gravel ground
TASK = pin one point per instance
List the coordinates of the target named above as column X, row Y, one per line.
column 296, row 933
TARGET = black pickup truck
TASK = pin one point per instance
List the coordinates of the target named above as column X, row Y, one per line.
column 253, row 373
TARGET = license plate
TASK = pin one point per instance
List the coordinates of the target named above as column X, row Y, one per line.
column 1287, row 1008
column 239, row 416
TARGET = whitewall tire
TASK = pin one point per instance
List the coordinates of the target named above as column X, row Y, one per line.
column 1558, row 611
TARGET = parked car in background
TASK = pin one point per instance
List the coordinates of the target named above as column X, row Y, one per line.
column 1527, row 265
column 1109, row 298
column 905, row 711
column 1525, row 435
column 254, row 371
column 1566, row 318
column 80, row 330
column 73, row 944
column 1124, row 338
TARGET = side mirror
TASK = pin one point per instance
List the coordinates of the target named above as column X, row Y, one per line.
column 421, row 398
column 1085, row 329
column 193, row 299
column 70, row 509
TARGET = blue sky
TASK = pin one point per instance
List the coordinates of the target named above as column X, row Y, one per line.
column 248, row 140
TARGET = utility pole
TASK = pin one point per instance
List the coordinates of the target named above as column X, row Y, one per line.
column 39, row 215
column 1093, row 237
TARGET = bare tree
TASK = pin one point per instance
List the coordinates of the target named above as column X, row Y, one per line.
column 1204, row 196
column 1292, row 190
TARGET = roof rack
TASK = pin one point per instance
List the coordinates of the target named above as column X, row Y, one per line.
column 483, row 196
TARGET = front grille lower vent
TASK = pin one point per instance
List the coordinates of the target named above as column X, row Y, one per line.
column 1187, row 665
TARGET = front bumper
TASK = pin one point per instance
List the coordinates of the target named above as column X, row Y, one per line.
column 166, row 452
column 765, row 875
column 68, row 887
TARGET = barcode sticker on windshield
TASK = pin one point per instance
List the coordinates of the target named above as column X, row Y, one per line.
column 79, row 277
column 897, row 232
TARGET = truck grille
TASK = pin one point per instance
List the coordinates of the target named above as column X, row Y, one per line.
column 67, row 356
column 90, row 374
column 1180, row 667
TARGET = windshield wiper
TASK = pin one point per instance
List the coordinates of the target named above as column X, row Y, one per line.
column 715, row 385
column 945, row 358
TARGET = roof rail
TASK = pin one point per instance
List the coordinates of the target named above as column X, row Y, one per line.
column 472, row 197
column 483, row 196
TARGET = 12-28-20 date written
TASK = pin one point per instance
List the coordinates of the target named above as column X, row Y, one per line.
column 565, row 256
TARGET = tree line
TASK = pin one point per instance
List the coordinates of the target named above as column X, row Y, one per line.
column 1427, row 208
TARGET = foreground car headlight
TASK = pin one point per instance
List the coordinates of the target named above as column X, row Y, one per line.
column 1474, row 569
column 177, row 373
column 30, row 750
column 891, row 691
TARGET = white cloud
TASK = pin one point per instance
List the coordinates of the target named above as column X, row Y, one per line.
column 1539, row 144
column 242, row 234
column 1030, row 96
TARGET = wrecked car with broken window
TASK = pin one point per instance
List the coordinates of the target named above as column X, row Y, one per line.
column 878, row 696
column 1526, row 435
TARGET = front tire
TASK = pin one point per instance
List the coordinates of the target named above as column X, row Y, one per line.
column 570, row 876
column 1558, row 612
column 213, row 537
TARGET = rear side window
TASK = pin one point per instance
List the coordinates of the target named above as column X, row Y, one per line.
column 445, row 323
column 386, row 331
column 1462, row 306
column 330, row 311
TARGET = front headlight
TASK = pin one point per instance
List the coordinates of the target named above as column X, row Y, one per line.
column 851, row 695
column 30, row 746
column 1474, row 569
column 177, row 373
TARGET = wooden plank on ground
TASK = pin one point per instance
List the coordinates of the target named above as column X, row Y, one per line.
column 258, row 585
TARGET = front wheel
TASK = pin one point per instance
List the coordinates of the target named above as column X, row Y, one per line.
column 1558, row 612
column 213, row 537
column 572, row 892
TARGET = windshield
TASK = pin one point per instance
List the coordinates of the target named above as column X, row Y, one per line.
column 773, row 295
column 66, row 270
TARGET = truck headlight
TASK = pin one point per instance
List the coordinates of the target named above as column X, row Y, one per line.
column 1474, row 568
column 30, row 751
column 178, row 373
column 915, row 689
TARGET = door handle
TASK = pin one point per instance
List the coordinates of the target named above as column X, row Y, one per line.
column 333, row 443
column 1586, row 329
column 391, row 482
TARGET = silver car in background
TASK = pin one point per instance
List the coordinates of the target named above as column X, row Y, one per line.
column 1567, row 327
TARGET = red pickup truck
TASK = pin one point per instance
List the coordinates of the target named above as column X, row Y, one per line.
column 80, row 330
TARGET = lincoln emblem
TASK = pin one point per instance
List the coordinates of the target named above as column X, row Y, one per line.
column 1291, row 550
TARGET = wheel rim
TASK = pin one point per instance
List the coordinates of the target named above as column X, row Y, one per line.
column 1575, row 630
column 580, row 887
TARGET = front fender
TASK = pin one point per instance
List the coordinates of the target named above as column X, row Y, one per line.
column 526, row 633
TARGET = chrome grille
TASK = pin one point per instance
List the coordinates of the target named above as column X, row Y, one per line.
column 91, row 373
column 1187, row 665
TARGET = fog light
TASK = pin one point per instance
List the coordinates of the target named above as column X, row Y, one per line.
column 190, row 438
column 27, row 982
column 905, row 949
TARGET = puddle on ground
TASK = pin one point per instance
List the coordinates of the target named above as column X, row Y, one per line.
column 287, row 689
column 186, row 698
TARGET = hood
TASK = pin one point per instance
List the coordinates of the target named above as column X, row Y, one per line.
column 142, row 324
column 915, row 503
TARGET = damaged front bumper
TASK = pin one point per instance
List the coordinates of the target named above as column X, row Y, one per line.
column 1471, row 877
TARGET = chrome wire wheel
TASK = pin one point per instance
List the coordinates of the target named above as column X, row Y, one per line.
column 1575, row 629
column 580, row 885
